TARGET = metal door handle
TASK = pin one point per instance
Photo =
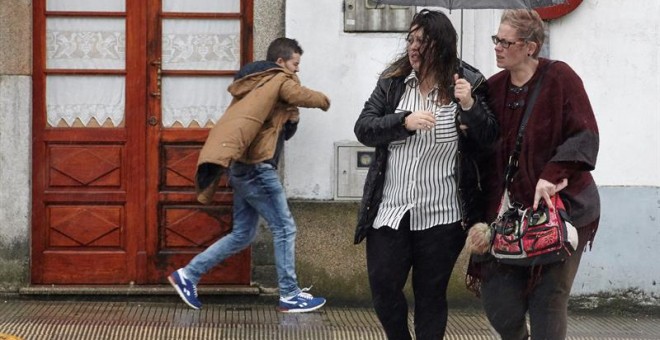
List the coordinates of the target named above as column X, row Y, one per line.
column 159, row 77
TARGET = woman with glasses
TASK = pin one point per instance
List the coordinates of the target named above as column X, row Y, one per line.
column 559, row 150
column 422, row 190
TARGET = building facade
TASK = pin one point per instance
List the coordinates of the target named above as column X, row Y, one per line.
column 103, row 104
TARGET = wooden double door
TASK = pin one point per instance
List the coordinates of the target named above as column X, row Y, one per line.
column 124, row 94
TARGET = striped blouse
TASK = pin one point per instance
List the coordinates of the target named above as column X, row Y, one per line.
column 420, row 175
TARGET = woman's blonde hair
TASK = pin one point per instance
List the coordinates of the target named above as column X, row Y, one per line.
column 528, row 24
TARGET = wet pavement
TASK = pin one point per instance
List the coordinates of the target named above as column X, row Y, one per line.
column 164, row 318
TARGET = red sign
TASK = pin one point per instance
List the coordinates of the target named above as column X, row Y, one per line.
column 556, row 11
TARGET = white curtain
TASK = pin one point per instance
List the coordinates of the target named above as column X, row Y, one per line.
column 194, row 99
column 86, row 43
column 85, row 97
column 201, row 44
column 194, row 45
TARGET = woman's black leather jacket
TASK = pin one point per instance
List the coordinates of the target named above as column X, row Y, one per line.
column 379, row 125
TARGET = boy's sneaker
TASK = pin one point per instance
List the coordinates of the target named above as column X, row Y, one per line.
column 186, row 289
column 303, row 302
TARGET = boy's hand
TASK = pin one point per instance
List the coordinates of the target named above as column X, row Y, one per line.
column 326, row 105
column 294, row 114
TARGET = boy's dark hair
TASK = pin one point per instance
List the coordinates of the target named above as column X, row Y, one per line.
column 283, row 48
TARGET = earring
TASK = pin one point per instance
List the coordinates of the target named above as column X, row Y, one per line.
column 529, row 54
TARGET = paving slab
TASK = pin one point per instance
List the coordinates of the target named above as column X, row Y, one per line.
column 35, row 319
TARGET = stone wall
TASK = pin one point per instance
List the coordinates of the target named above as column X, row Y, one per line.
column 15, row 37
column 15, row 141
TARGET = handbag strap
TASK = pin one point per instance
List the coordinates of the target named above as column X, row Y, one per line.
column 512, row 167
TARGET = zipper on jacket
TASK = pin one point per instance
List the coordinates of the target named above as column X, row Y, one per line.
column 461, row 202
column 476, row 168
column 476, row 86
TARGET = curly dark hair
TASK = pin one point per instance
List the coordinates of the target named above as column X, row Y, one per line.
column 439, row 55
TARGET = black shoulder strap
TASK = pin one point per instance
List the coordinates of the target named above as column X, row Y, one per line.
column 512, row 167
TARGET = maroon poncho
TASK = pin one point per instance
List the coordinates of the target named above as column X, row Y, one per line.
column 560, row 141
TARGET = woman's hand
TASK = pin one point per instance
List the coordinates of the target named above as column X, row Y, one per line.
column 420, row 120
column 545, row 190
column 463, row 93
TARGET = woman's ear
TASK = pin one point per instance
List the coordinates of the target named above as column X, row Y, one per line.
column 531, row 49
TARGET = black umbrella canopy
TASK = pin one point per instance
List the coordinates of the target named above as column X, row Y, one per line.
column 475, row 4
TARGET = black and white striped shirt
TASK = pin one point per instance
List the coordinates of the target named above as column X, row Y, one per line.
column 420, row 174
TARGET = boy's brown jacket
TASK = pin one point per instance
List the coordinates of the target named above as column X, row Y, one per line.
column 262, row 103
column 248, row 131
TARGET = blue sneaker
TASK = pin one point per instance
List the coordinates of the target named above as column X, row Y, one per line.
column 303, row 302
column 186, row 289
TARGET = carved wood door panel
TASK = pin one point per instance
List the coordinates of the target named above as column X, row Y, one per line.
column 124, row 94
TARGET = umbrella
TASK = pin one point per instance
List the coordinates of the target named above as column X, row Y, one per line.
column 474, row 4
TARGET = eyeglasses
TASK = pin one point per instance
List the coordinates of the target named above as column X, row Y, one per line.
column 504, row 43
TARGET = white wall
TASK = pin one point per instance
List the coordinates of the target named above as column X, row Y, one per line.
column 345, row 67
column 613, row 45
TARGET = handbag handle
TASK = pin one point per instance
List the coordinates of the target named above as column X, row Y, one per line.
column 527, row 214
column 512, row 167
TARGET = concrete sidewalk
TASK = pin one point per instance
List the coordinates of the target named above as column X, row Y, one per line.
column 75, row 318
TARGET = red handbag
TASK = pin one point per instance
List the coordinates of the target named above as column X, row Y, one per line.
column 525, row 237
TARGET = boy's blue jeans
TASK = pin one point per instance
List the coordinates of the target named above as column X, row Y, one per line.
column 257, row 191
